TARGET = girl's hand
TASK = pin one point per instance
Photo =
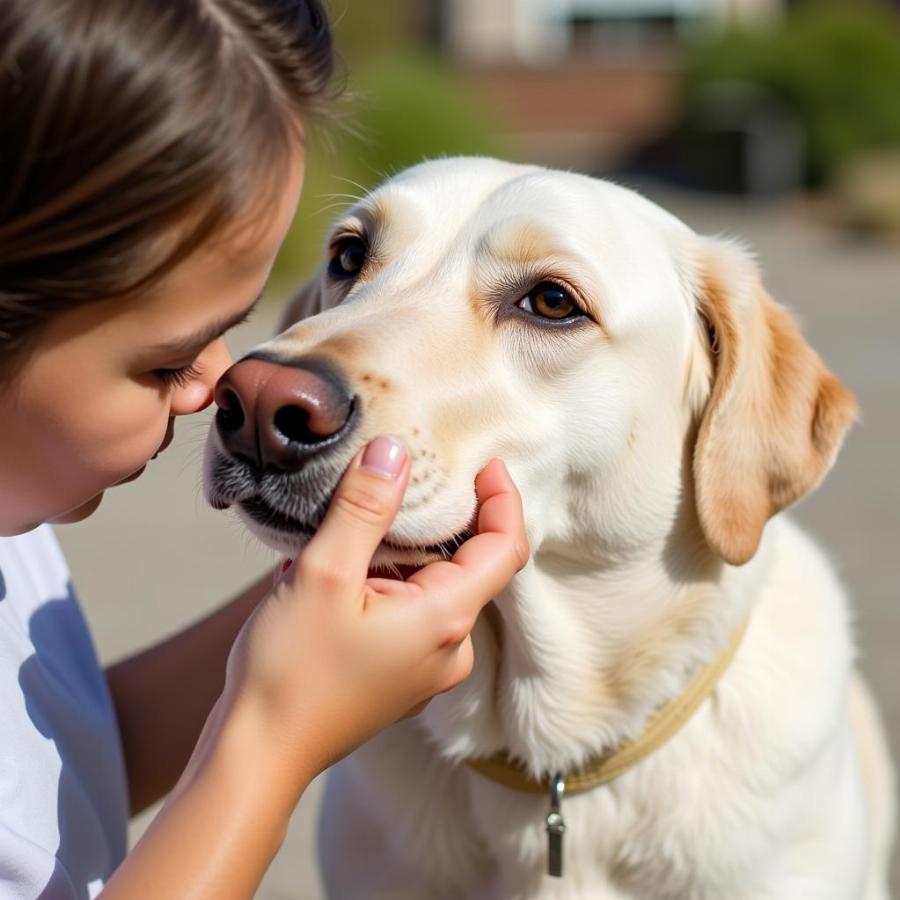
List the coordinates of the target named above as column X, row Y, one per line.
column 332, row 656
column 327, row 659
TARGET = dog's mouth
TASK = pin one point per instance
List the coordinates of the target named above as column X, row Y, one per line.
column 269, row 517
column 264, row 514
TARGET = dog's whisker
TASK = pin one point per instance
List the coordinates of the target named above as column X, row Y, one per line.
column 333, row 205
column 342, row 204
column 337, row 203
column 337, row 195
column 364, row 190
column 192, row 460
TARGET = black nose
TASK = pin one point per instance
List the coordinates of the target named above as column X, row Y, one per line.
column 279, row 416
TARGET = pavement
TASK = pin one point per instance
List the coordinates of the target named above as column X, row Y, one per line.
column 154, row 557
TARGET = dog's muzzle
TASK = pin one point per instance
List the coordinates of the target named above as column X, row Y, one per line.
column 283, row 434
column 285, row 431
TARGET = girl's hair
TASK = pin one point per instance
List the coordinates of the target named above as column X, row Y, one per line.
column 132, row 130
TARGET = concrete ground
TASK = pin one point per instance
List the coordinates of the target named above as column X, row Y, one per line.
column 154, row 557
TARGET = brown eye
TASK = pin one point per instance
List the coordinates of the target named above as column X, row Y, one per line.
column 348, row 256
column 550, row 301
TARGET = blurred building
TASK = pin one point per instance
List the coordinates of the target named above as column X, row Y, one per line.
column 579, row 82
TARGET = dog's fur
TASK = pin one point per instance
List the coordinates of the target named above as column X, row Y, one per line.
column 652, row 440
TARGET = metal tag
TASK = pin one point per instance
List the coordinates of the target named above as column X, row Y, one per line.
column 556, row 826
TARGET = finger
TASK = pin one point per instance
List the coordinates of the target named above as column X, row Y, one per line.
column 359, row 515
column 485, row 563
column 500, row 504
column 463, row 658
column 391, row 587
column 500, row 510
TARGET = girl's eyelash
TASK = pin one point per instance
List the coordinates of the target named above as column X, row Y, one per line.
column 180, row 377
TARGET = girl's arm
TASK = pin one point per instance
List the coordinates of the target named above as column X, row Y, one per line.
column 222, row 825
column 164, row 694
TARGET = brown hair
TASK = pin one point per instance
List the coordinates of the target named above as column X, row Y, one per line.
column 122, row 119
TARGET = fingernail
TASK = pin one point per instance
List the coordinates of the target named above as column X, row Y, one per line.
column 384, row 455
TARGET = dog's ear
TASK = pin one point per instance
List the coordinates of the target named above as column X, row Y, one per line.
column 775, row 416
column 306, row 302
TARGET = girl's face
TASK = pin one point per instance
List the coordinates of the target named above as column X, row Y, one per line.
column 97, row 397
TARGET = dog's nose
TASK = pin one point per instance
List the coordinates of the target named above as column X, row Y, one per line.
column 278, row 416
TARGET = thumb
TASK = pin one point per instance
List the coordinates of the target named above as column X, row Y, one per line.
column 360, row 513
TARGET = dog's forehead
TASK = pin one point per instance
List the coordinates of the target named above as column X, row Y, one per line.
column 508, row 208
column 458, row 182
column 488, row 209
column 473, row 193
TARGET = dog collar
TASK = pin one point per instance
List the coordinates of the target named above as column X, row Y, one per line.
column 510, row 772
column 504, row 769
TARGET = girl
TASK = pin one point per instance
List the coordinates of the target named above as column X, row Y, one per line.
column 151, row 157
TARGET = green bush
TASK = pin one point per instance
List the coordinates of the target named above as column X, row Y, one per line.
column 836, row 66
column 403, row 108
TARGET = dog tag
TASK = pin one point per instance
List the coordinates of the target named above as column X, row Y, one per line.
column 555, row 825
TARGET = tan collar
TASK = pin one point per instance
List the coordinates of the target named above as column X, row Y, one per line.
column 665, row 722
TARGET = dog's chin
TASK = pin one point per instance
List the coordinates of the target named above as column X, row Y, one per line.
column 285, row 543
column 288, row 536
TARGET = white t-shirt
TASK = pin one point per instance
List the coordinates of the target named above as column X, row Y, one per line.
column 63, row 791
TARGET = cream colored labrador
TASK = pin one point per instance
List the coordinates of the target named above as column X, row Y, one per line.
column 676, row 652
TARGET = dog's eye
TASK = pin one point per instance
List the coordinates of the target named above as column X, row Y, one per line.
column 348, row 256
column 550, row 301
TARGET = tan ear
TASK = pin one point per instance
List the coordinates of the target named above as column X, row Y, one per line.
column 775, row 417
column 306, row 302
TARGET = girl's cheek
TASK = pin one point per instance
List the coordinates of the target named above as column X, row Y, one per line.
column 126, row 444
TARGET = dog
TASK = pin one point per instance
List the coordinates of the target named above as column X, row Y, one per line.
column 663, row 704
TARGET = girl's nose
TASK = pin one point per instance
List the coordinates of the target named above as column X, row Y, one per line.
column 198, row 393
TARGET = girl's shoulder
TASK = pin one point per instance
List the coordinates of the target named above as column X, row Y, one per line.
column 63, row 795
column 33, row 571
column 41, row 618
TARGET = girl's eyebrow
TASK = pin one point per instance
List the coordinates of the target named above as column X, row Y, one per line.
column 206, row 335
